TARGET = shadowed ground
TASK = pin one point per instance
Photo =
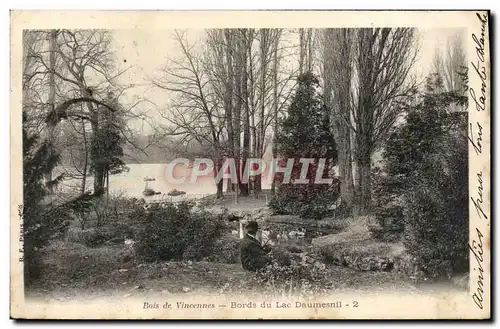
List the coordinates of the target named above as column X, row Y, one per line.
column 73, row 271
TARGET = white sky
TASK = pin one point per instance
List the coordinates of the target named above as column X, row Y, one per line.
column 148, row 50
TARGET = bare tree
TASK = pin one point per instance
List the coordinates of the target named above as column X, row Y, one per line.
column 75, row 150
column 242, row 98
column 451, row 65
column 195, row 113
column 382, row 84
column 337, row 76
column 261, row 86
column 52, row 80
column 219, row 69
column 273, row 92
column 36, row 43
column 306, row 50
column 81, row 68
column 83, row 51
column 310, row 47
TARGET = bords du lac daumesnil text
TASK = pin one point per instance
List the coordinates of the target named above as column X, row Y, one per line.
column 295, row 304
column 247, row 305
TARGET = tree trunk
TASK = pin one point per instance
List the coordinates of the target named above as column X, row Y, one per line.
column 85, row 161
column 84, row 179
column 337, row 76
column 52, row 90
column 246, row 114
column 254, row 145
column 363, row 170
column 237, row 110
column 309, row 50
column 98, row 172
column 363, row 188
column 364, row 124
column 264, row 50
column 98, row 182
column 220, row 183
column 345, row 168
column 301, row 50
column 366, row 187
column 229, row 100
column 107, row 182
column 275, row 108
column 384, row 58
column 52, row 83
column 343, row 140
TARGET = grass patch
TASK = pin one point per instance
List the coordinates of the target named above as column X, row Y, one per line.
column 356, row 248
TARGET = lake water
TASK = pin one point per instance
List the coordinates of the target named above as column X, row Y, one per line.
column 132, row 183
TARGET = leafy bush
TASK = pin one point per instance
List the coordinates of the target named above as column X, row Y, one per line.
column 226, row 250
column 43, row 219
column 105, row 221
column 116, row 218
column 293, row 274
column 174, row 232
column 388, row 207
column 424, row 192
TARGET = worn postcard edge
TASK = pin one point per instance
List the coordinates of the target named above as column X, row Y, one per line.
column 374, row 306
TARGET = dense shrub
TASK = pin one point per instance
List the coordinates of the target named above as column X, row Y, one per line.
column 174, row 232
column 107, row 220
column 388, row 207
column 294, row 274
column 108, row 210
column 424, row 192
column 226, row 250
column 305, row 132
column 44, row 219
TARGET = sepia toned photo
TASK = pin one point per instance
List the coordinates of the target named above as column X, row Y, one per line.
column 250, row 165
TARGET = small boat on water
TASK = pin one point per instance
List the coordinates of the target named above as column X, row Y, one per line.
column 147, row 190
column 150, row 192
column 175, row 192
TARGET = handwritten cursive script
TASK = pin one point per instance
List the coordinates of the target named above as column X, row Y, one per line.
column 476, row 141
column 477, row 251
column 478, row 201
column 479, row 65
column 475, row 137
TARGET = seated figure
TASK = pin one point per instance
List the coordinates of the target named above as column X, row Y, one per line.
column 253, row 256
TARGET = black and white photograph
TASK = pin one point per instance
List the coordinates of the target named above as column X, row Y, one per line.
column 250, row 165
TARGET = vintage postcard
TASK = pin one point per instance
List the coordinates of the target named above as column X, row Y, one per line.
column 250, row 165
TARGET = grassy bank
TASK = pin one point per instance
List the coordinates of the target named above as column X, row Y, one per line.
column 72, row 268
column 72, row 271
